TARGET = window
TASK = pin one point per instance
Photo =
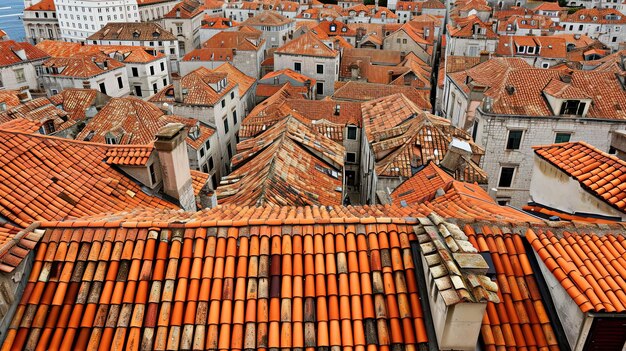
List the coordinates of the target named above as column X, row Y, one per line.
column 223, row 103
column 573, row 107
column 152, row 174
column 475, row 130
column 232, row 94
column 214, row 180
column 506, row 177
column 351, row 157
column 225, row 125
column 151, row 70
column 514, row 140
column 230, row 151
column 207, row 145
column 562, row 137
column 103, row 88
column 120, row 83
column 403, row 41
column 352, row 132
column 545, row 65
column 297, row 66
column 138, row 90
column 162, row 66
column 211, row 163
column 234, row 118
column 320, row 69
column 503, row 201
column 135, row 72
column 19, row 75
column 320, row 88
column 201, row 152
column 155, row 88
column 164, row 82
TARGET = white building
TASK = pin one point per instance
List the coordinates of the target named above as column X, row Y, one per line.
column 184, row 21
column 19, row 65
column 154, row 10
column 605, row 25
column 470, row 38
column 80, row 19
column 95, row 71
column 310, row 56
column 277, row 29
column 40, row 22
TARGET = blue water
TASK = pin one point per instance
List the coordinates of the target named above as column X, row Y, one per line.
column 11, row 18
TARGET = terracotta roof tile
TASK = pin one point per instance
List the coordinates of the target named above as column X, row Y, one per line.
column 287, row 164
column 63, row 178
column 210, row 22
column 122, row 53
column 361, row 91
column 599, row 16
column 267, row 18
column 15, row 244
column 82, row 65
column 599, row 173
column 10, row 48
column 43, row 5
column 185, row 9
column 239, row 40
column 307, row 45
column 199, row 89
column 519, row 321
column 10, row 98
column 591, row 265
column 129, row 31
column 244, row 81
column 466, row 28
column 225, row 286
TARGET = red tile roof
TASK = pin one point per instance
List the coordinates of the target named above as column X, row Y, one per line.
column 218, row 22
column 10, row 98
column 185, row 9
column 244, row 81
column 47, row 178
column 286, row 165
column 43, row 5
column 15, row 245
column 9, row 48
column 267, row 18
column 240, row 40
column 82, row 65
column 135, row 121
column 199, row 90
column 307, row 44
column 599, row 173
column 210, row 54
column 123, row 53
column 20, row 124
column 362, row 91
column 598, row 16
column 520, row 320
column 223, row 285
column 133, row 31
column 590, row 267
column 465, row 29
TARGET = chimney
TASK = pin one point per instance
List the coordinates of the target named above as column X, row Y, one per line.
column 172, row 150
column 458, row 151
column 457, row 280
column 86, row 84
column 178, row 91
column 484, row 56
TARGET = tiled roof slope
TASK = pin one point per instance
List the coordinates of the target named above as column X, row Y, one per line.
column 503, row 75
column 133, row 31
column 519, row 321
column 307, row 44
column 599, row 173
column 267, row 18
column 456, row 199
column 135, row 121
column 404, row 137
column 590, row 267
column 287, row 165
column 185, row 9
column 15, row 245
column 8, row 56
column 228, row 285
column 43, row 5
column 244, row 81
column 82, row 65
column 10, row 98
column 47, row 178
column 362, row 91
column 125, row 53
column 199, row 89
column 240, row 40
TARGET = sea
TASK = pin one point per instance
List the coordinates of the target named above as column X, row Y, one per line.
column 11, row 18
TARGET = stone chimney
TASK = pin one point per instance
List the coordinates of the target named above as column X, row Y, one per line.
column 172, row 150
column 178, row 90
column 455, row 159
column 456, row 279
column 484, row 56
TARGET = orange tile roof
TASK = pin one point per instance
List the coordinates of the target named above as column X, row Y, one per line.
column 185, row 9
column 210, row 54
column 520, row 320
column 135, row 121
column 8, row 56
column 549, row 6
column 307, row 44
column 133, row 31
column 10, row 98
column 226, row 293
column 545, row 212
column 199, row 180
column 43, row 5
column 16, row 244
column 422, row 185
column 240, row 40
column 199, row 91
column 210, row 22
column 590, row 267
column 334, row 28
column 595, row 15
column 47, row 178
column 82, row 65
column 136, row 155
column 288, row 164
column 267, row 18
column 403, row 137
column 465, row 29
column 599, row 173
column 21, row 125
column 299, row 77
column 362, row 91
column 244, row 81
column 123, row 53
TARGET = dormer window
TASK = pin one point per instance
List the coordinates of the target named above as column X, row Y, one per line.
column 582, row 17
column 111, row 139
column 531, row 49
column 573, row 107
column 333, row 27
column 344, row 29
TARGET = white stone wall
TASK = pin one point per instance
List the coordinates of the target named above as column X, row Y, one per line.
column 58, row 83
column 40, row 25
column 609, row 34
column 548, row 184
column 8, row 76
column 469, row 46
column 400, row 41
column 308, row 66
column 493, row 133
column 189, row 33
column 145, row 79
column 167, row 47
column 78, row 19
column 156, row 11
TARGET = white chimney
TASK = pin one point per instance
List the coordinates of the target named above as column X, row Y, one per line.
column 172, row 150
column 178, row 91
